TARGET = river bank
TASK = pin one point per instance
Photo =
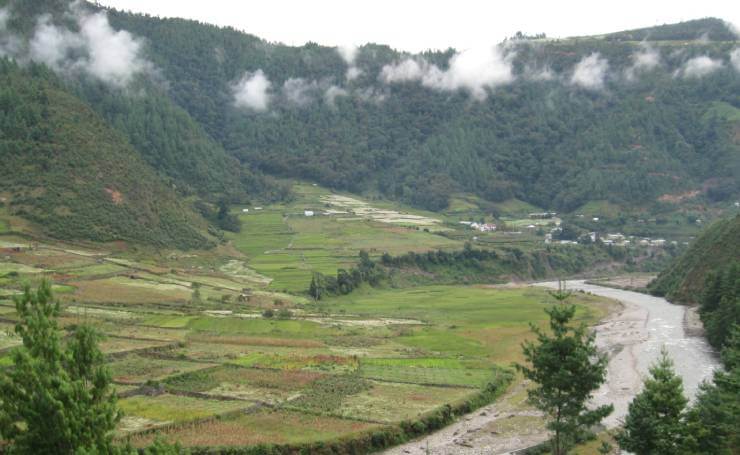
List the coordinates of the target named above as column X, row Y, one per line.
column 632, row 336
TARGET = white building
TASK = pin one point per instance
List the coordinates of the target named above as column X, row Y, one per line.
column 308, row 213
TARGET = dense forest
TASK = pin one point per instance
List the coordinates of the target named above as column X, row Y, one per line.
column 651, row 125
column 710, row 253
column 215, row 114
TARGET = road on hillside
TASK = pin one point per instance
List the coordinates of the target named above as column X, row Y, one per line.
column 632, row 336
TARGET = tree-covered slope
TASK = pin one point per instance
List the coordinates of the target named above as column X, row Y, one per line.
column 647, row 128
column 710, row 253
column 73, row 175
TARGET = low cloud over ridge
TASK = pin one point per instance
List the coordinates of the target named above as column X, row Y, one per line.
column 252, row 91
column 590, row 72
column 112, row 56
column 700, row 66
column 474, row 70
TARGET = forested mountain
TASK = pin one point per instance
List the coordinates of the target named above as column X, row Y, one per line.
column 636, row 118
column 711, row 253
column 557, row 123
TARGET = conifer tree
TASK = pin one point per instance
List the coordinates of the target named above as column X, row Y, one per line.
column 57, row 397
column 655, row 423
column 566, row 368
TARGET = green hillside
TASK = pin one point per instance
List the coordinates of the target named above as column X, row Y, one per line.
column 546, row 142
column 66, row 170
column 715, row 249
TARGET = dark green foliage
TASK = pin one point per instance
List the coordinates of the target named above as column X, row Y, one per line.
column 714, row 420
column 655, row 423
column 57, row 398
column 566, row 368
column 326, row 393
column 481, row 265
column 366, row 272
column 720, row 303
column 685, row 279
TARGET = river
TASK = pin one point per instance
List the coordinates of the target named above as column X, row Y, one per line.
column 633, row 336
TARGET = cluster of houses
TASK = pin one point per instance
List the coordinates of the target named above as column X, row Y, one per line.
column 616, row 239
column 482, row 227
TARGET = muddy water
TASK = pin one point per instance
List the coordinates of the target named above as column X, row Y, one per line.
column 633, row 337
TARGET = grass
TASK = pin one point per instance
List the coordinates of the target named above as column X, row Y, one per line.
column 469, row 321
column 136, row 369
column 385, row 402
column 245, row 383
column 263, row 427
column 126, row 290
column 426, row 371
column 320, row 362
column 252, row 327
column 175, row 408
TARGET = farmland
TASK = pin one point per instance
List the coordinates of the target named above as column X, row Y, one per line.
column 224, row 347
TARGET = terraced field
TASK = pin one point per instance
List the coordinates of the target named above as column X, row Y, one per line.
column 197, row 357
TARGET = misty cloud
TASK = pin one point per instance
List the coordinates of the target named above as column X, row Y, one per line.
column 589, row 73
column 539, row 73
column 473, row 70
column 353, row 73
column 349, row 55
column 112, row 56
column 735, row 59
column 298, row 91
column 252, row 91
column 404, row 71
column 332, row 93
column 699, row 67
column 646, row 59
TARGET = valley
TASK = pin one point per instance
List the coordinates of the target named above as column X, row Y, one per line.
column 216, row 243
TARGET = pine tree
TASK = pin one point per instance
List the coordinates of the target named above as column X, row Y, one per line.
column 55, row 399
column 567, row 368
column 655, row 423
column 714, row 420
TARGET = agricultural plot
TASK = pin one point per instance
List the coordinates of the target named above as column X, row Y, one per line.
column 167, row 408
column 137, row 369
column 392, row 402
column 262, row 427
column 434, row 371
column 252, row 384
column 205, row 366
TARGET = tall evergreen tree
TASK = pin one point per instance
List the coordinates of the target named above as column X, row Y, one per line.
column 655, row 423
column 55, row 399
column 567, row 368
column 714, row 420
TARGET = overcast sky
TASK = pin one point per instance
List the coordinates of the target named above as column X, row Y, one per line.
column 416, row 25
